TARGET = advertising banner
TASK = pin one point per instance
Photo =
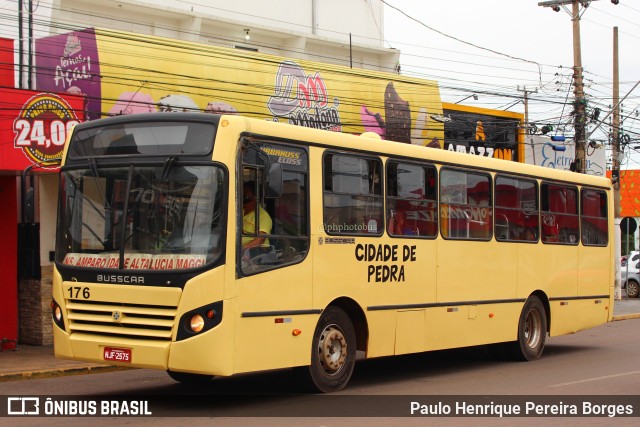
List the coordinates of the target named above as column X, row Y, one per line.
column 124, row 73
column 542, row 151
column 483, row 132
column 69, row 63
column 34, row 126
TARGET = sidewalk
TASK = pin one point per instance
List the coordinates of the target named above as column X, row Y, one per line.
column 38, row 361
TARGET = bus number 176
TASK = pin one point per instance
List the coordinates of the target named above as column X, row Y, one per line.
column 76, row 291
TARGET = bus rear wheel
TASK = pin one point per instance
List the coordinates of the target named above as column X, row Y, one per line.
column 333, row 352
column 188, row 378
column 532, row 331
column 532, row 334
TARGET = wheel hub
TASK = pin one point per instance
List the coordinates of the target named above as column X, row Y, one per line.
column 332, row 349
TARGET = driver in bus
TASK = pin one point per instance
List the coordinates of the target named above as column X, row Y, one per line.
column 249, row 218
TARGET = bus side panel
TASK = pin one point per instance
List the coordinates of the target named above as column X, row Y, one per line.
column 550, row 268
column 475, row 271
column 469, row 272
column 468, row 325
column 385, row 272
column 593, row 278
column 410, row 331
column 595, row 272
column 264, row 336
column 568, row 317
column 382, row 331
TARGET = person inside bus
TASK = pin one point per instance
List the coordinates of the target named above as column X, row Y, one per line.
column 402, row 226
column 251, row 237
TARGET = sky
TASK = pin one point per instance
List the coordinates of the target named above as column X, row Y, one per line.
column 497, row 48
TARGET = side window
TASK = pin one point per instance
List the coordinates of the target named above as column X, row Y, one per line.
column 275, row 230
column 465, row 205
column 559, row 207
column 516, row 210
column 352, row 194
column 593, row 218
column 411, row 200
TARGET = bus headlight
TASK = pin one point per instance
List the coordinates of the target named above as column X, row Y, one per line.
column 199, row 320
column 56, row 314
column 196, row 323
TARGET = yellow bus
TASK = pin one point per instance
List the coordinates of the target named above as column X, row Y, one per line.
column 209, row 245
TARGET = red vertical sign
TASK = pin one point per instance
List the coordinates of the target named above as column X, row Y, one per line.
column 7, row 78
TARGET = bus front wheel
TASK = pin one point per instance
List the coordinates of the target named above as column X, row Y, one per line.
column 333, row 352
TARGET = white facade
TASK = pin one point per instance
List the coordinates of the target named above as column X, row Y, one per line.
column 344, row 32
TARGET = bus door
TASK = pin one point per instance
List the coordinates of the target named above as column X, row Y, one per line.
column 273, row 271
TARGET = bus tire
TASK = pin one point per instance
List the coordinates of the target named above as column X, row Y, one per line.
column 333, row 352
column 189, row 378
column 532, row 331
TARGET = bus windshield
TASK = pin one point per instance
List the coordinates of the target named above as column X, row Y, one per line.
column 164, row 217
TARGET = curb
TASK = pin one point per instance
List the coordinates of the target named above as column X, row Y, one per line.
column 50, row 373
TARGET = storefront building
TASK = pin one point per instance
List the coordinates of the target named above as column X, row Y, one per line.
column 33, row 128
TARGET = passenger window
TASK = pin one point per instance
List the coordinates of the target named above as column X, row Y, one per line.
column 352, row 195
column 411, row 200
column 516, row 210
column 275, row 230
column 559, row 207
column 465, row 205
column 594, row 222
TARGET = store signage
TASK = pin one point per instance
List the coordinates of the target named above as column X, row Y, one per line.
column 35, row 127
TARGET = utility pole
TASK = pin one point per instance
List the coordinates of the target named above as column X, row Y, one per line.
column 615, row 152
column 615, row 165
column 526, row 117
column 526, row 104
column 580, row 117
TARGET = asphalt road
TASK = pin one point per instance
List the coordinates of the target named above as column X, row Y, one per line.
column 599, row 365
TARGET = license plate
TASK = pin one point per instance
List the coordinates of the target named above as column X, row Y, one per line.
column 117, row 354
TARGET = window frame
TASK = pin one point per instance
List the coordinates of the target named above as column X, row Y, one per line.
column 543, row 212
column 388, row 198
column 261, row 142
column 380, row 226
column 582, row 215
column 534, row 181
column 490, row 206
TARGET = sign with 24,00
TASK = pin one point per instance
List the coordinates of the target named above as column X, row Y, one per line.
column 42, row 128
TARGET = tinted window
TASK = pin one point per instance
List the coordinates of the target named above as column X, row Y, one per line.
column 465, row 205
column 411, row 200
column 516, row 210
column 352, row 195
column 594, row 222
column 559, row 214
